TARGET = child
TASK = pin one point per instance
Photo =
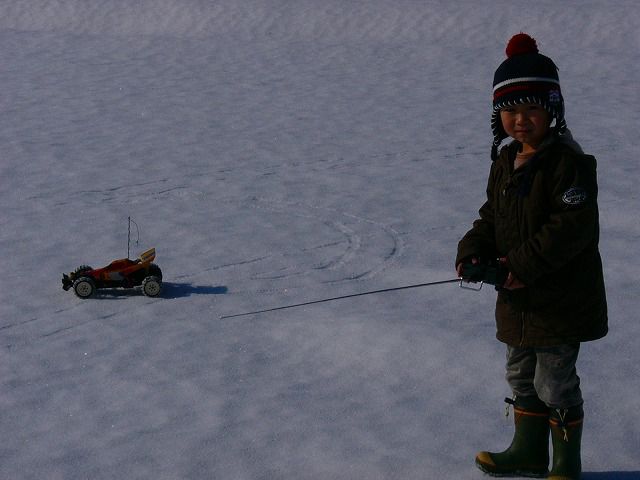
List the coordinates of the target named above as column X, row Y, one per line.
column 540, row 222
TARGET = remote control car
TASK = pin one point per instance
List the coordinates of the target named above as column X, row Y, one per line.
column 124, row 273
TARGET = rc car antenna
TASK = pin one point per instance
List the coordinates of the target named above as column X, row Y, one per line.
column 440, row 282
column 129, row 235
column 492, row 273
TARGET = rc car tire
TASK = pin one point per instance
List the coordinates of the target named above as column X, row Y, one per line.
column 151, row 286
column 84, row 287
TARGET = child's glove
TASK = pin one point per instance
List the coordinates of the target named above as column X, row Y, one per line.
column 492, row 272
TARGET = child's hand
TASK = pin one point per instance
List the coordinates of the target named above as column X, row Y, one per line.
column 512, row 282
column 474, row 261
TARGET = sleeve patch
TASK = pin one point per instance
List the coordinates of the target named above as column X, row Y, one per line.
column 575, row 196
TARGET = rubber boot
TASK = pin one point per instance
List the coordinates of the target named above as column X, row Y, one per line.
column 566, row 436
column 528, row 454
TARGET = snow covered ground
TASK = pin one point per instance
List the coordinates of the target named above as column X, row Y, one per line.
column 275, row 152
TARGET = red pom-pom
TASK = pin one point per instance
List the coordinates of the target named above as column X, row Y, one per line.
column 521, row 44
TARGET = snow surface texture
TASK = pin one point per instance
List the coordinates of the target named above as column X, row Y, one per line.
column 275, row 152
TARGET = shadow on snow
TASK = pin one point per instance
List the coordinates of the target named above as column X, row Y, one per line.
column 179, row 290
column 611, row 475
column 169, row 290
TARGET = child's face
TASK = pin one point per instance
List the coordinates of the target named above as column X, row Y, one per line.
column 528, row 123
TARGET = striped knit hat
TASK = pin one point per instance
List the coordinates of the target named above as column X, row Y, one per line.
column 526, row 76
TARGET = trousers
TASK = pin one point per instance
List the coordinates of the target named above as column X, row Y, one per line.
column 548, row 372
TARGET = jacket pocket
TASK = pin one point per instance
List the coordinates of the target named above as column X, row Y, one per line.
column 508, row 323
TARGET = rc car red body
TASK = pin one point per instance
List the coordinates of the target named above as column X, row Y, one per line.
column 123, row 273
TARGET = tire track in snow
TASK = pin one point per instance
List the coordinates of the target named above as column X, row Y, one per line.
column 366, row 251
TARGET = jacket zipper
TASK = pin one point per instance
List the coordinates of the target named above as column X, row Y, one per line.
column 519, row 208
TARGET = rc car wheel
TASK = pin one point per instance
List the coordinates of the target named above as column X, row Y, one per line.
column 82, row 268
column 84, row 287
column 151, row 286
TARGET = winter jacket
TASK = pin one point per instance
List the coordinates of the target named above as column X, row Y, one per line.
column 543, row 217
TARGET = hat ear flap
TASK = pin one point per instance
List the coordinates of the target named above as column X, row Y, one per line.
column 561, row 123
column 554, row 104
column 499, row 133
column 561, row 126
column 556, row 113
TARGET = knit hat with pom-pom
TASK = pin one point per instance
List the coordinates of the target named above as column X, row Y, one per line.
column 526, row 76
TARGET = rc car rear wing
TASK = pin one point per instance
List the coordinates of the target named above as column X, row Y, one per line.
column 147, row 256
